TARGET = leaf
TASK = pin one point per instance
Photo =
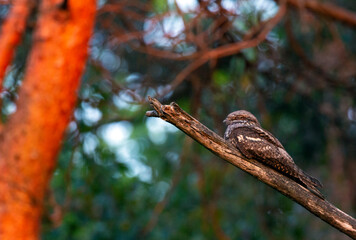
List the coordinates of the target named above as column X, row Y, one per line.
column 160, row 6
column 220, row 77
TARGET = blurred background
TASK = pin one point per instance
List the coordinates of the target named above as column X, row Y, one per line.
column 121, row 175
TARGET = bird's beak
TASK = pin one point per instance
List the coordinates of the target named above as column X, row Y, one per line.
column 224, row 121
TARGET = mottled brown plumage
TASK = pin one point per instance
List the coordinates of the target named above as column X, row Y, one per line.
column 245, row 132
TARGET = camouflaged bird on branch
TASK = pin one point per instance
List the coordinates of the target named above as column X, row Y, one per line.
column 245, row 133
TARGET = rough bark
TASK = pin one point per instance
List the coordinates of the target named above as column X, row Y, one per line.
column 30, row 140
column 321, row 208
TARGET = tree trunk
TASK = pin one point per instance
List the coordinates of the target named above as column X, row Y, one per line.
column 31, row 139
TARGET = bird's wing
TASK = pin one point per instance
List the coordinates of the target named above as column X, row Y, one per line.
column 253, row 142
column 267, row 135
column 255, row 132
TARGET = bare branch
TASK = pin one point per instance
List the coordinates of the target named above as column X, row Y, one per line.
column 231, row 49
column 321, row 208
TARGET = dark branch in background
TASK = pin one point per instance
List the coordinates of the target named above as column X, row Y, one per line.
column 177, row 176
column 327, row 10
column 203, row 40
column 250, row 40
column 334, row 80
column 321, row 208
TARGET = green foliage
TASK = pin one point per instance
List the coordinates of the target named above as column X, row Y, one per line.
column 160, row 6
column 220, row 77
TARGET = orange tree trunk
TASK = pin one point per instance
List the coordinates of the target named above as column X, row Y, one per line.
column 11, row 32
column 30, row 140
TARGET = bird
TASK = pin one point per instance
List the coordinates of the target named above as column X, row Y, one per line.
column 246, row 134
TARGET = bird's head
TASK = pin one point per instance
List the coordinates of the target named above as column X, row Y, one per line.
column 241, row 116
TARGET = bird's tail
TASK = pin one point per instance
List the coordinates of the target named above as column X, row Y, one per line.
column 311, row 183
